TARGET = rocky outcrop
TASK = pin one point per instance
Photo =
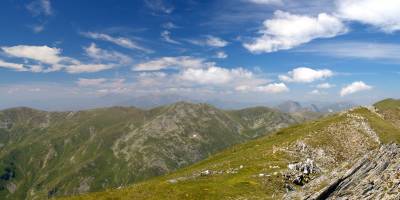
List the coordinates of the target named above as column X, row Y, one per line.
column 350, row 170
column 301, row 173
column 375, row 176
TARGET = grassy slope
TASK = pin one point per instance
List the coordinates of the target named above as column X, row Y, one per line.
column 390, row 109
column 257, row 157
column 388, row 104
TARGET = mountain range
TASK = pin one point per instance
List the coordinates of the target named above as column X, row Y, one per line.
column 197, row 151
column 49, row 154
column 353, row 154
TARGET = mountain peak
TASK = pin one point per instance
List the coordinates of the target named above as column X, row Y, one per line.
column 290, row 106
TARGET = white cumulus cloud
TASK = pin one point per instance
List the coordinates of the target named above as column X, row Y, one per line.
column 285, row 31
column 306, row 75
column 42, row 54
column 354, row 87
column 383, row 14
column 214, row 75
column 191, row 72
column 272, row 88
column 216, row 42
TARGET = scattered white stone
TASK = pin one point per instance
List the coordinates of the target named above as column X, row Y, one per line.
column 206, row 172
column 292, row 166
column 172, row 181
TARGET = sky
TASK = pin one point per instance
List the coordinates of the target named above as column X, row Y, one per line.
column 63, row 54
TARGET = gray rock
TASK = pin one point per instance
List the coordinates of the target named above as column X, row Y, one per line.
column 375, row 176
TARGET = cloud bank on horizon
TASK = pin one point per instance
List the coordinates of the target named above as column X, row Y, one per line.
column 251, row 50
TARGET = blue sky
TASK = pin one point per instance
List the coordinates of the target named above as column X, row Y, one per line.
column 55, row 54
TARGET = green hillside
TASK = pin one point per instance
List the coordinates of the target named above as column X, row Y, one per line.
column 294, row 163
column 390, row 110
column 388, row 104
column 49, row 154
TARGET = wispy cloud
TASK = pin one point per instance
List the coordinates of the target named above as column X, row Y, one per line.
column 87, row 68
column 266, row 2
column 40, row 7
column 221, row 55
column 38, row 27
column 85, row 82
column 166, row 36
column 14, row 66
column 50, row 59
column 169, row 25
column 360, row 50
column 171, row 62
column 120, row 41
column 99, row 54
column 211, row 41
column 159, row 6
column 325, row 86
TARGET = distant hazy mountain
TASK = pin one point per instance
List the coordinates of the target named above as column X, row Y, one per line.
column 321, row 107
column 337, row 107
column 290, row 107
column 47, row 154
column 151, row 101
column 314, row 108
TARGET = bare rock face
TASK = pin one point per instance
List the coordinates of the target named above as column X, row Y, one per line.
column 375, row 176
